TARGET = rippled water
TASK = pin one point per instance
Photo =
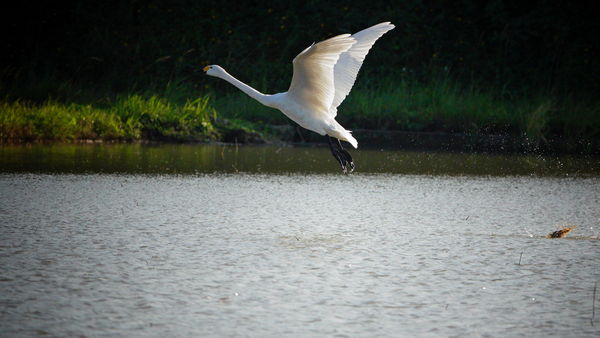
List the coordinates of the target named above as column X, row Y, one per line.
column 297, row 254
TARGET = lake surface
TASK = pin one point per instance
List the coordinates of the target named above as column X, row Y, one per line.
column 182, row 240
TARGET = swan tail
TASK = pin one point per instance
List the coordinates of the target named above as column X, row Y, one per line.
column 350, row 139
column 344, row 135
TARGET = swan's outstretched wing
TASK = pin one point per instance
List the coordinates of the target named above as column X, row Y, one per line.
column 349, row 63
column 312, row 83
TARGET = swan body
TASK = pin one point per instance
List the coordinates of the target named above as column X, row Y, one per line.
column 324, row 74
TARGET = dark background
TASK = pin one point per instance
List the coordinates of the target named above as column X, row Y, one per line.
column 515, row 47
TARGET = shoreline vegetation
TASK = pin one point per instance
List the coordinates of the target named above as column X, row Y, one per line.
column 468, row 76
column 437, row 115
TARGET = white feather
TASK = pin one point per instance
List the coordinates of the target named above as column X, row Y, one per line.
column 313, row 80
column 349, row 63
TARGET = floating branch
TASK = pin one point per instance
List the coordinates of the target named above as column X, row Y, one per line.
column 561, row 233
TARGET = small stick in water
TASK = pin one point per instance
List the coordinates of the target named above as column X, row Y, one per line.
column 593, row 305
column 521, row 256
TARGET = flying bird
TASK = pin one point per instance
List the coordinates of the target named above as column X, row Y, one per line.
column 324, row 74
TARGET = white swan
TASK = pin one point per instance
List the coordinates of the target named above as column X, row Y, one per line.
column 324, row 73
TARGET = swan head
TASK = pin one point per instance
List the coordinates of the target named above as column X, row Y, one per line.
column 214, row 70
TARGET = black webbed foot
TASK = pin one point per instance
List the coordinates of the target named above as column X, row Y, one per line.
column 341, row 155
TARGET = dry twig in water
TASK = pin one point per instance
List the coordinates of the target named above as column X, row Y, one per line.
column 593, row 304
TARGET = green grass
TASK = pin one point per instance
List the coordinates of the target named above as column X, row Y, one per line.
column 434, row 106
column 132, row 117
column 384, row 104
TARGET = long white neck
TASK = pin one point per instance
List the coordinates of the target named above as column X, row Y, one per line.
column 253, row 93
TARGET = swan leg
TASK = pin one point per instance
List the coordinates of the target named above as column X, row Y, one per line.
column 341, row 155
column 335, row 152
column 347, row 156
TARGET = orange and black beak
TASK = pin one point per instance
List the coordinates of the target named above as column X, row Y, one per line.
column 205, row 69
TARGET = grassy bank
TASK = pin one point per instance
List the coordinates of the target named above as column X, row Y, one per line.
column 129, row 118
column 390, row 104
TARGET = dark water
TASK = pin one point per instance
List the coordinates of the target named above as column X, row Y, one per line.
column 172, row 241
column 191, row 159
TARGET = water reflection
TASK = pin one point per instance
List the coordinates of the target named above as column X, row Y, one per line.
column 202, row 158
